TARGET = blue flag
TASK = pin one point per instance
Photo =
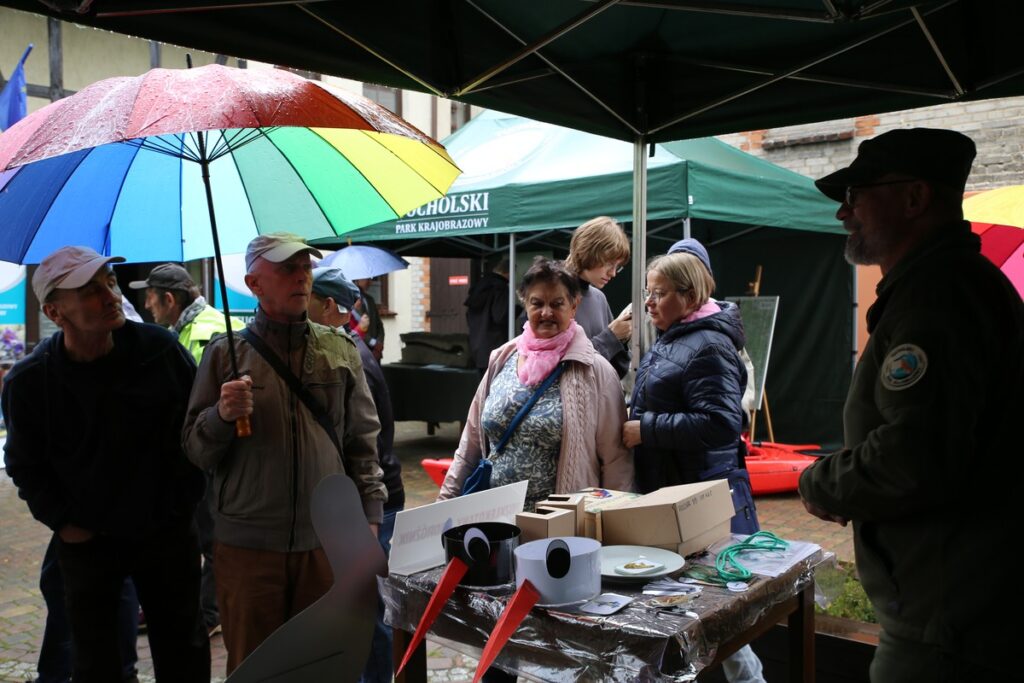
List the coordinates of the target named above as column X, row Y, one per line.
column 14, row 96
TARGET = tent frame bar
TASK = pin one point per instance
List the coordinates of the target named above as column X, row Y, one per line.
column 376, row 53
column 532, row 48
column 579, row 86
column 725, row 99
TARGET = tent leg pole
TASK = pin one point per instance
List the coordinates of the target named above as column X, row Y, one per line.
column 639, row 247
column 512, row 280
column 687, row 234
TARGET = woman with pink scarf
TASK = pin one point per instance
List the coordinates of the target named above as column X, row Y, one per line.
column 570, row 438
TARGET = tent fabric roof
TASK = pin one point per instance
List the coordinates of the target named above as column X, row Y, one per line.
column 665, row 69
column 521, row 176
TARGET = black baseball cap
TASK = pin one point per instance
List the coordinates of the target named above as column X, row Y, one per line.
column 166, row 276
column 937, row 155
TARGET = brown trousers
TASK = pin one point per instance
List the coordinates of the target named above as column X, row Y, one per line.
column 259, row 590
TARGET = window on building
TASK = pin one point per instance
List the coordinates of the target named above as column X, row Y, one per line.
column 460, row 115
column 389, row 98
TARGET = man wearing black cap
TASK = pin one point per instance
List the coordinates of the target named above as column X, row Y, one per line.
column 270, row 563
column 173, row 299
column 333, row 297
column 932, row 416
column 94, row 419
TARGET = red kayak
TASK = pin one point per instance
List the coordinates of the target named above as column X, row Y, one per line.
column 773, row 467
column 776, row 467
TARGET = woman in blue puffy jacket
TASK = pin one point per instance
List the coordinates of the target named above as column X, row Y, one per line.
column 686, row 417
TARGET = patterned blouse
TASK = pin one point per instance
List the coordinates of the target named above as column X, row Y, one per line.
column 532, row 452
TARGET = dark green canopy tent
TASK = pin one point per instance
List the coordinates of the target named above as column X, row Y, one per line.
column 537, row 182
column 658, row 69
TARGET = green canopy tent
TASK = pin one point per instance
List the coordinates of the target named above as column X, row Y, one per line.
column 532, row 183
column 520, row 175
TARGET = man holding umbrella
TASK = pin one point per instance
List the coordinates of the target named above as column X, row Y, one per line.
column 270, row 565
column 94, row 417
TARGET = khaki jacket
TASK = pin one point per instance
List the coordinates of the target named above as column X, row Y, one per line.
column 262, row 484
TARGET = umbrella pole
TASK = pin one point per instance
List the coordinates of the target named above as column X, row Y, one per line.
column 242, row 425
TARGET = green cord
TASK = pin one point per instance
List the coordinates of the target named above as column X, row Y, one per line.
column 761, row 540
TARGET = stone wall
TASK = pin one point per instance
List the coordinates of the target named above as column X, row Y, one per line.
column 419, row 291
column 997, row 127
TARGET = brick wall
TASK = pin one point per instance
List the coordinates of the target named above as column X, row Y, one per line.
column 420, row 293
column 997, row 127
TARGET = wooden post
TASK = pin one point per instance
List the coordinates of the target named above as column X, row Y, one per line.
column 755, row 290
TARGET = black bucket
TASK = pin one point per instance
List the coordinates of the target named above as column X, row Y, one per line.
column 488, row 550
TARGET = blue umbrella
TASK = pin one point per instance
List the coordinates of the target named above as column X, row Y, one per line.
column 360, row 261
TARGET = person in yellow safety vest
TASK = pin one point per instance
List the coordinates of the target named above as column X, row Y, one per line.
column 172, row 297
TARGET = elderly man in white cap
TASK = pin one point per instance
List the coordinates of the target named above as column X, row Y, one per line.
column 270, row 565
column 93, row 419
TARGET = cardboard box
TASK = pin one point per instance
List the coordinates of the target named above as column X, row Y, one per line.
column 546, row 522
column 685, row 519
column 594, row 501
column 570, row 501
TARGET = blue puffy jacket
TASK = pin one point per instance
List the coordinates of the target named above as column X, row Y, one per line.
column 687, row 398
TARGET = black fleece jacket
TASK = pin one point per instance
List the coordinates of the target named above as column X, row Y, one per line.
column 98, row 444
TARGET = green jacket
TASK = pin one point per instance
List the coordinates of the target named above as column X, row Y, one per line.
column 198, row 333
column 263, row 484
column 932, row 432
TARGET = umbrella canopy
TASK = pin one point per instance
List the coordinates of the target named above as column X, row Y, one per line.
column 664, row 69
column 998, row 217
column 360, row 261
column 117, row 166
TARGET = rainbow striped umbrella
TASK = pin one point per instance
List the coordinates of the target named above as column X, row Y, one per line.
column 119, row 165
column 997, row 216
column 128, row 166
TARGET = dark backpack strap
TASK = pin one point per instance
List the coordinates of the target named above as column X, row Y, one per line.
column 318, row 411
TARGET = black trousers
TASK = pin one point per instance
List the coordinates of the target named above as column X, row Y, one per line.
column 165, row 569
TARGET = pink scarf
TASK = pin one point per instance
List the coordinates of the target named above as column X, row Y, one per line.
column 709, row 308
column 540, row 356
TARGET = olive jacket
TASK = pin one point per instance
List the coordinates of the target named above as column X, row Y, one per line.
column 932, row 425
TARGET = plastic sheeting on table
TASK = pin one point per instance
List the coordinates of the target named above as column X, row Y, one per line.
column 639, row 643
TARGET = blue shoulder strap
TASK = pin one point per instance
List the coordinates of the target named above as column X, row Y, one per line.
column 548, row 381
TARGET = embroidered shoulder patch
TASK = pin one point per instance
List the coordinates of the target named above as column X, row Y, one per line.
column 903, row 367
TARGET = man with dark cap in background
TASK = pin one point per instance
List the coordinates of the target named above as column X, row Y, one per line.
column 487, row 314
column 173, row 299
column 931, row 420
column 94, row 418
column 334, row 295
column 270, row 563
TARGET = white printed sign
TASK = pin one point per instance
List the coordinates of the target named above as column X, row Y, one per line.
column 416, row 544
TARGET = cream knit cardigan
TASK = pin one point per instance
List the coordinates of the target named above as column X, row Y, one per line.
column 593, row 412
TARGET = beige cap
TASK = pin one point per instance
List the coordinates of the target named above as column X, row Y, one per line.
column 277, row 247
column 68, row 268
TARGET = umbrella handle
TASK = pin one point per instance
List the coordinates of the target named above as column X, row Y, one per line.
column 243, row 427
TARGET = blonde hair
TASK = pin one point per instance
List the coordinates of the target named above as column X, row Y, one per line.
column 687, row 274
column 596, row 242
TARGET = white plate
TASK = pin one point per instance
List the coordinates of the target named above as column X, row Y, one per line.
column 614, row 555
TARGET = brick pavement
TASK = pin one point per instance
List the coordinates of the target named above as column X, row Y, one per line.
column 23, row 614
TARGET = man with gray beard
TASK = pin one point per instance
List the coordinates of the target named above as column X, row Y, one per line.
column 931, row 416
